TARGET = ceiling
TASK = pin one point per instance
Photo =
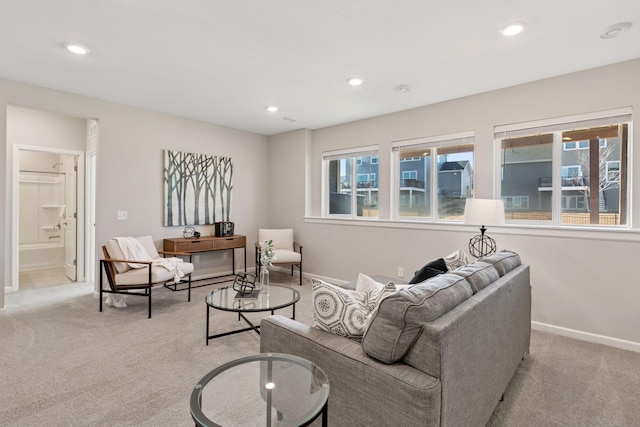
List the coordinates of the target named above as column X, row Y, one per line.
column 224, row 61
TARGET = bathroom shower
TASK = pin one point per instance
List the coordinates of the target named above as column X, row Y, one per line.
column 44, row 237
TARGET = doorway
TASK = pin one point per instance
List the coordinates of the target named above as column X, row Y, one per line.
column 51, row 197
column 47, row 218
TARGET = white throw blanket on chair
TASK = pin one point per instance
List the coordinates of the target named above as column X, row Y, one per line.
column 133, row 249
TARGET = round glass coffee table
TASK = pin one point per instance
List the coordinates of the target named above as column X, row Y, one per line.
column 271, row 389
column 224, row 299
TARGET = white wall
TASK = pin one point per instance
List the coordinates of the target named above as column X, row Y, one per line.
column 27, row 126
column 130, row 168
column 584, row 282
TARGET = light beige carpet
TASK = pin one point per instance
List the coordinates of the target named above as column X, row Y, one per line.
column 62, row 363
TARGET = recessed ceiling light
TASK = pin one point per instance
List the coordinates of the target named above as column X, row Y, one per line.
column 402, row 88
column 355, row 81
column 76, row 48
column 272, row 108
column 512, row 29
column 615, row 30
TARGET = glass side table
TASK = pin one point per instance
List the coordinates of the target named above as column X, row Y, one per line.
column 271, row 389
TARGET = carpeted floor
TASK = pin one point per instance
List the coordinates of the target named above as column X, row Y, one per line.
column 63, row 363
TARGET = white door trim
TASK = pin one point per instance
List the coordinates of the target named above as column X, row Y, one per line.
column 15, row 191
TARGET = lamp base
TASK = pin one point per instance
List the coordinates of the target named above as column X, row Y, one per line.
column 482, row 245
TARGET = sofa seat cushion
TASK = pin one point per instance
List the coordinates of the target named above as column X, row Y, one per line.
column 503, row 261
column 479, row 274
column 399, row 318
column 345, row 312
column 138, row 276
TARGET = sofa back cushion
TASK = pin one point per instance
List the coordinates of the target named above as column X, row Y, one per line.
column 479, row 274
column 398, row 320
column 503, row 261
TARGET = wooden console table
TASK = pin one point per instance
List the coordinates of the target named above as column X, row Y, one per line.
column 206, row 244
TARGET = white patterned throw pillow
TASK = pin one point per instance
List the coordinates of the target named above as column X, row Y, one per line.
column 456, row 259
column 376, row 291
column 345, row 312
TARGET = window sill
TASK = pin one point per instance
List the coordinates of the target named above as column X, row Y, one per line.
column 571, row 232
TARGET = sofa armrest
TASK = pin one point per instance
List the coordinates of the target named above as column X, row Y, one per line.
column 358, row 383
column 476, row 348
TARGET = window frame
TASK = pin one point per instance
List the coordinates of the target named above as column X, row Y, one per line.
column 556, row 126
column 433, row 144
column 567, row 167
column 355, row 155
column 413, row 174
column 609, row 170
column 521, row 200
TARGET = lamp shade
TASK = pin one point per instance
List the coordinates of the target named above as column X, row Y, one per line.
column 484, row 212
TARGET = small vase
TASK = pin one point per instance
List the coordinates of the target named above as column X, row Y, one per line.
column 264, row 280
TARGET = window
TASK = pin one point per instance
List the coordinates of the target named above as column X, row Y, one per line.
column 351, row 185
column 366, row 179
column 516, row 202
column 573, row 171
column 433, row 177
column 574, row 202
column 409, row 175
column 613, row 171
column 581, row 145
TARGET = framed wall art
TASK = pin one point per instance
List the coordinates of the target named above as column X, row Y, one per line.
column 197, row 188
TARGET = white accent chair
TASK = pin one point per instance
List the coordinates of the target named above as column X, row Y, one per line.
column 287, row 252
column 122, row 278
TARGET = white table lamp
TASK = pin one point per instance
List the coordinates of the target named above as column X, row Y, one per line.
column 483, row 212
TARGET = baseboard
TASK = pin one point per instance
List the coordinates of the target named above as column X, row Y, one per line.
column 326, row 279
column 587, row 336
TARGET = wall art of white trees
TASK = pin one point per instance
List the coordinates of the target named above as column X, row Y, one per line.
column 197, row 188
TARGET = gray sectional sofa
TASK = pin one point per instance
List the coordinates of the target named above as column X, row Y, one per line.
column 440, row 353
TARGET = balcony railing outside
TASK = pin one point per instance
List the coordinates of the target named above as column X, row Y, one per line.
column 576, row 181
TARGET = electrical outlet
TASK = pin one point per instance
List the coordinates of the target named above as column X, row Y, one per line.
column 400, row 272
column 196, row 258
column 122, row 215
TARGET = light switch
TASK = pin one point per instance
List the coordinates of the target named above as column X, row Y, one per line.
column 122, row 215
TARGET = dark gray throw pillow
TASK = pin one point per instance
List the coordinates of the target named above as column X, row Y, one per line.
column 429, row 270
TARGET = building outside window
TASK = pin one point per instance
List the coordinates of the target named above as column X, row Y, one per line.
column 351, row 185
column 573, row 172
column 433, row 177
column 581, row 145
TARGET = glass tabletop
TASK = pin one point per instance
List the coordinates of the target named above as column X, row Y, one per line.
column 271, row 389
column 279, row 296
